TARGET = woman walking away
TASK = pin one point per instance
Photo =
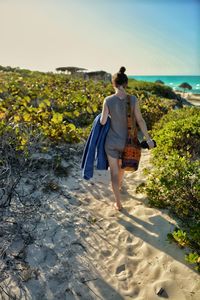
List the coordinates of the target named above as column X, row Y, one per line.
column 115, row 106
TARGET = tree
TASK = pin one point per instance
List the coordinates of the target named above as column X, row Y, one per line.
column 71, row 70
column 185, row 86
column 159, row 81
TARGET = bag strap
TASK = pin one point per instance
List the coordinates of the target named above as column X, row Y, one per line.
column 130, row 119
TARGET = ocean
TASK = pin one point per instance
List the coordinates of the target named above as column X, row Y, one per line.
column 173, row 81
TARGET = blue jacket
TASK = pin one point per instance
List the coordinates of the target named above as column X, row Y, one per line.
column 95, row 145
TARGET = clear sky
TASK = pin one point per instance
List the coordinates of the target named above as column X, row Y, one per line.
column 148, row 37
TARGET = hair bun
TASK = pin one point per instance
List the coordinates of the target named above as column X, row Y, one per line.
column 122, row 70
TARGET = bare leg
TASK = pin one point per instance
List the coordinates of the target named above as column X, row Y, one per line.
column 121, row 174
column 114, row 172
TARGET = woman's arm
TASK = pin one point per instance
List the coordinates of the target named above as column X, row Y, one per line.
column 104, row 114
column 142, row 124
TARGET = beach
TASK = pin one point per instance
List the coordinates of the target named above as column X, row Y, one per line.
column 190, row 97
column 130, row 248
column 193, row 98
column 174, row 81
column 61, row 238
column 83, row 248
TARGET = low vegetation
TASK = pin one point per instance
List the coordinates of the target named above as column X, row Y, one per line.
column 59, row 107
column 39, row 111
column 174, row 182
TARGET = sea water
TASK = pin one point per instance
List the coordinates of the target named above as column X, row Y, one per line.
column 174, row 81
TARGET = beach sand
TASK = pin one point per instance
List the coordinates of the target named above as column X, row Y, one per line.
column 129, row 249
column 132, row 252
column 82, row 248
column 192, row 98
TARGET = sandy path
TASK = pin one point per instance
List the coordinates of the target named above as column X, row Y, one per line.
column 129, row 249
column 82, row 248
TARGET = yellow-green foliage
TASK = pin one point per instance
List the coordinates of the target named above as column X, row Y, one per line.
column 58, row 106
column 153, row 108
column 62, row 108
column 183, row 239
column 194, row 258
column 54, row 108
column 157, row 89
column 180, row 237
column 175, row 180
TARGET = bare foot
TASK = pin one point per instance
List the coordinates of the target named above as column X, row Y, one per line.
column 117, row 206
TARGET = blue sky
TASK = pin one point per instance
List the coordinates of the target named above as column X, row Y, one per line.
column 146, row 36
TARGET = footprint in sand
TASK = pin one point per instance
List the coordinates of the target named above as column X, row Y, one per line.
column 111, row 226
column 120, row 269
column 122, row 237
column 130, row 250
column 125, row 239
column 122, row 273
column 106, row 253
column 131, row 289
column 129, row 239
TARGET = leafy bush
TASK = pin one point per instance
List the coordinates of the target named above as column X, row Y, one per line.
column 58, row 106
column 178, row 133
column 182, row 238
column 194, row 258
column 174, row 182
column 44, row 108
column 157, row 89
column 176, row 185
column 179, row 236
column 153, row 108
column 62, row 108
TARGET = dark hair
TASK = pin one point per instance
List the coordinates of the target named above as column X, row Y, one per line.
column 120, row 78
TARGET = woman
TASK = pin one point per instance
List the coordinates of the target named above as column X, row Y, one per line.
column 115, row 106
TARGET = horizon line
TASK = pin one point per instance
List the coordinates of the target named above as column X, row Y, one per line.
column 31, row 69
column 166, row 75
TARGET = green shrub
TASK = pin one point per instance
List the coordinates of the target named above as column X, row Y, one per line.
column 184, row 239
column 61, row 107
column 178, row 133
column 179, row 236
column 174, row 182
column 194, row 258
column 154, row 108
column 157, row 89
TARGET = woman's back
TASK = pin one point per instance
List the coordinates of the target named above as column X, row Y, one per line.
column 117, row 134
column 118, row 129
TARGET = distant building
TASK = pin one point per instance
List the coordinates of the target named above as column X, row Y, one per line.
column 80, row 73
column 71, row 70
column 97, row 75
